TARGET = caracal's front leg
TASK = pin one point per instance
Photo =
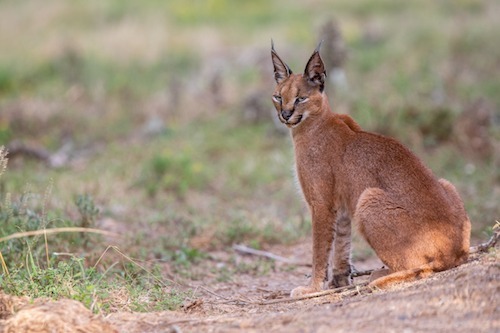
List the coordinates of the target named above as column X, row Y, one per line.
column 341, row 274
column 323, row 223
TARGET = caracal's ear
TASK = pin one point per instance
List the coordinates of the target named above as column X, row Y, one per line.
column 315, row 70
column 281, row 70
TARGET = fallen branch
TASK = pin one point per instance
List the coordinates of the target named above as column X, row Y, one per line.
column 490, row 243
column 55, row 160
column 213, row 293
column 248, row 250
column 345, row 291
column 352, row 291
column 362, row 273
column 16, row 148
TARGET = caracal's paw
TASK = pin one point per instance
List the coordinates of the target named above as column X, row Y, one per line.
column 303, row 290
column 340, row 280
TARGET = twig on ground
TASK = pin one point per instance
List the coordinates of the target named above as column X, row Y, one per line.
column 56, row 159
column 490, row 243
column 345, row 291
column 227, row 300
column 213, row 293
column 362, row 273
column 16, row 148
column 355, row 289
column 248, row 250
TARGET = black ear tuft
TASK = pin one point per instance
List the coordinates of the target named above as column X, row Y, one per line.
column 281, row 69
column 315, row 69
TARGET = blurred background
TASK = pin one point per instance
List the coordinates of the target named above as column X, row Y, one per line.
column 153, row 119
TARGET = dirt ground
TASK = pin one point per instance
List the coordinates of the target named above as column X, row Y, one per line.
column 464, row 299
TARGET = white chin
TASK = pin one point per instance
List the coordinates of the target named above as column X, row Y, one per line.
column 297, row 121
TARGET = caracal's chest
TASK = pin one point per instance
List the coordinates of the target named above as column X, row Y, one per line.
column 314, row 171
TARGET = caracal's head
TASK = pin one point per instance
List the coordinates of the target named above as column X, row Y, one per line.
column 298, row 96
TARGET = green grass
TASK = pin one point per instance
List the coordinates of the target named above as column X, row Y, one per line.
column 101, row 292
column 94, row 73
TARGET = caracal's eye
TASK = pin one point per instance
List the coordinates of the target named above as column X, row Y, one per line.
column 300, row 99
column 277, row 98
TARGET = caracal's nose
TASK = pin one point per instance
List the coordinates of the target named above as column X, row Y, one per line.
column 286, row 114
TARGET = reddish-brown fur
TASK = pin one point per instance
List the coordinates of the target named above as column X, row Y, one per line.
column 416, row 223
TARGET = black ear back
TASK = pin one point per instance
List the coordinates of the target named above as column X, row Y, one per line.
column 281, row 69
column 315, row 70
